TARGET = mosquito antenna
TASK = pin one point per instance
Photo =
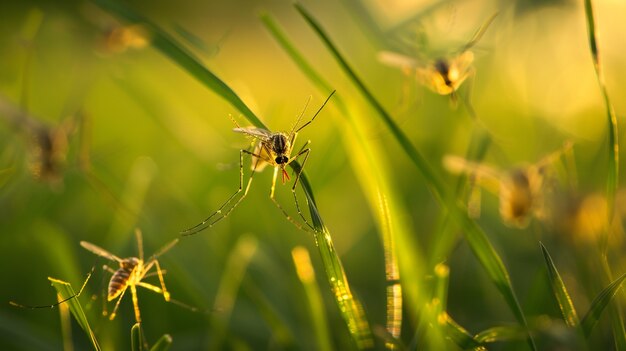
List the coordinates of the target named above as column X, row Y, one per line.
column 13, row 303
column 306, row 104
column 139, row 242
column 479, row 33
column 233, row 119
column 316, row 113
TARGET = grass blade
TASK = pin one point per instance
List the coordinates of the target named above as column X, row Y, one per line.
column 306, row 274
column 613, row 175
column 169, row 47
column 64, row 289
column 350, row 308
column 501, row 333
column 136, row 338
column 599, row 303
column 460, row 336
column 163, row 344
column 477, row 239
column 560, row 292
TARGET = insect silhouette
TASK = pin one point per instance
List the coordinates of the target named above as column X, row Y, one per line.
column 274, row 149
column 521, row 190
column 443, row 75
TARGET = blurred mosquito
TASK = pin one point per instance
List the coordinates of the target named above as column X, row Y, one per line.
column 274, row 149
column 443, row 75
column 521, row 190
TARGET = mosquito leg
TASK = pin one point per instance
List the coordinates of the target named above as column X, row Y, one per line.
column 166, row 294
column 139, row 243
column 13, row 303
column 209, row 221
column 289, row 218
column 304, row 152
column 133, row 291
column 117, row 305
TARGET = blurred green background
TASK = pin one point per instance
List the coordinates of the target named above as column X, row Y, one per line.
column 163, row 156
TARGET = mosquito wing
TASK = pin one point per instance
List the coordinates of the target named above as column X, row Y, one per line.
column 99, row 251
column 254, row 132
column 395, row 59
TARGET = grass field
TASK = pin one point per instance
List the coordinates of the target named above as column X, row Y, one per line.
column 463, row 188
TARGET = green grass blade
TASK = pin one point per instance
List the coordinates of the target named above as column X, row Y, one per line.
column 461, row 337
column 599, row 303
column 350, row 308
column 613, row 175
column 477, row 239
column 306, row 274
column 500, row 334
column 163, row 344
column 184, row 58
column 560, row 292
column 136, row 338
column 64, row 289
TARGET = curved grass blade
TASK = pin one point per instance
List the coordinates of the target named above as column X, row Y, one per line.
column 136, row 338
column 64, row 289
column 477, row 239
column 560, row 292
column 501, row 333
column 599, row 303
column 351, row 310
column 460, row 336
column 163, row 344
column 169, row 47
column 613, row 174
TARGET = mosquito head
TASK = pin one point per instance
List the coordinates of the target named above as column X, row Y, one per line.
column 281, row 160
column 442, row 66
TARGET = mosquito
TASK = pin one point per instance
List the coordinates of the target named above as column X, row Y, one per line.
column 521, row 190
column 274, row 149
column 131, row 272
column 443, row 75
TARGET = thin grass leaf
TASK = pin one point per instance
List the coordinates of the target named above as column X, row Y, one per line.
column 613, row 174
column 169, row 47
column 599, row 303
column 501, row 333
column 306, row 274
column 163, row 344
column 461, row 337
column 351, row 309
column 477, row 239
column 560, row 292
column 64, row 289
column 136, row 338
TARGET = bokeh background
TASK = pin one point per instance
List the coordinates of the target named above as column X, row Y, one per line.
column 150, row 147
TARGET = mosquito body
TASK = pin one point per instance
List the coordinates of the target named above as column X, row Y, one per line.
column 521, row 190
column 274, row 149
column 130, row 274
